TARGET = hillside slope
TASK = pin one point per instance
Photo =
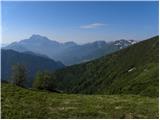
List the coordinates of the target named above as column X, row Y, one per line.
column 22, row 103
column 32, row 62
column 133, row 70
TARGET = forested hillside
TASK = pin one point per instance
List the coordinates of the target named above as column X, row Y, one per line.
column 133, row 70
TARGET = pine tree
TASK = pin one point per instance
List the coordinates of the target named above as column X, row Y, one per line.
column 44, row 80
column 38, row 82
column 18, row 75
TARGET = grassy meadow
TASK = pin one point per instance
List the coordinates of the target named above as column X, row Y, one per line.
column 24, row 103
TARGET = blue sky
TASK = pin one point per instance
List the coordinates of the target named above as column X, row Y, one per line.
column 79, row 21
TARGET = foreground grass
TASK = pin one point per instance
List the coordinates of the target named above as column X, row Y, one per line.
column 23, row 103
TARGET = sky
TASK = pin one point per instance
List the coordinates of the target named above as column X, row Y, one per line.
column 81, row 22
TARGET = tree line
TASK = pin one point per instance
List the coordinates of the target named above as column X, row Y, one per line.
column 43, row 80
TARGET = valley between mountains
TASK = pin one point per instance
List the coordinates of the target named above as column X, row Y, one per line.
column 119, row 79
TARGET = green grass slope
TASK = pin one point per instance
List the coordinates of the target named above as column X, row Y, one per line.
column 133, row 70
column 18, row 102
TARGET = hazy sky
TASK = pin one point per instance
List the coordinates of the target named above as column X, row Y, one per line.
column 79, row 21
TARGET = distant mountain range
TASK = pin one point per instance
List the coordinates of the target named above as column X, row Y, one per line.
column 33, row 63
column 133, row 70
column 68, row 53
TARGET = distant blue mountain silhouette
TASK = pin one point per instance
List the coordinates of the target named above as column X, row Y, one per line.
column 68, row 53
